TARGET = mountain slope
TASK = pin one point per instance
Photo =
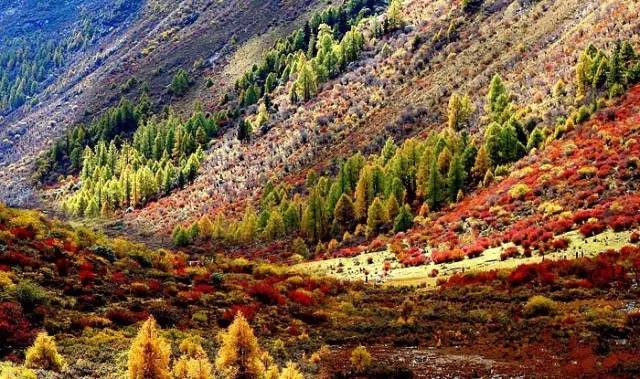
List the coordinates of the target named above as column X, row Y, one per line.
column 163, row 38
column 406, row 93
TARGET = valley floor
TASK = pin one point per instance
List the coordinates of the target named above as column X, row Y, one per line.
column 370, row 266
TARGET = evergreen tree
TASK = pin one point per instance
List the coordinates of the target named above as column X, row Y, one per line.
column 364, row 193
column 275, row 226
column 180, row 83
column 536, row 139
column 392, row 207
column 404, row 220
column 459, row 110
column 482, row 163
column 306, row 84
column 498, row 100
column 239, row 355
column 394, row 18
column 376, row 216
column 244, row 130
column 314, row 220
column 149, row 354
column 43, row 354
column 456, row 177
column 435, row 187
column 344, row 215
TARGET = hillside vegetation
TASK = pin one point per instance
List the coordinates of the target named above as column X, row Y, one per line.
column 321, row 189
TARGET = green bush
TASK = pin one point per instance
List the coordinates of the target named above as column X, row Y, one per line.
column 540, row 306
column 30, row 294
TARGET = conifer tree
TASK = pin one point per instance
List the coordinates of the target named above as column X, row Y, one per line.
column 344, row 215
column 249, row 225
column 392, row 207
column 404, row 220
column 275, row 226
column 435, row 187
column 456, row 177
column 149, row 354
column 291, row 372
column 536, row 139
column 43, row 354
column 458, row 111
column 376, row 216
column 306, row 84
column 482, row 163
column 364, row 193
column 498, row 100
column 314, row 219
column 239, row 355
column 395, row 19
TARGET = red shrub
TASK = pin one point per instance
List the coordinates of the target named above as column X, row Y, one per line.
column 560, row 244
column 249, row 312
column 479, row 278
column 448, row 256
column 87, row 277
column 118, row 278
column 15, row 331
column 204, row 288
column 509, row 252
column 635, row 237
column 583, row 215
column 266, row 293
column 592, row 228
column 620, row 223
column 23, row 233
column 302, row 297
column 124, row 317
column 13, row 258
column 154, row 285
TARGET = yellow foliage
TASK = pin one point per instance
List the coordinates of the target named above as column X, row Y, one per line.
column 181, row 368
column 44, row 354
column 291, row 372
column 199, row 369
column 6, row 280
column 192, row 347
column 360, row 358
column 272, row 373
column 8, row 371
column 149, row 354
column 239, row 356
column 519, row 191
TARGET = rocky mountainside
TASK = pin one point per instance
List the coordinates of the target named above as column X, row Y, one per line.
column 149, row 46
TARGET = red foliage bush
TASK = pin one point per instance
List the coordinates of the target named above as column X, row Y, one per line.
column 204, row 288
column 118, row 278
column 479, row 278
column 620, row 223
column 635, row 237
column 447, row 256
column 266, row 293
column 592, row 228
column 14, row 258
column 509, row 252
column 475, row 250
column 23, row 233
column 154, row 285
column 86, row 277
column 248, row 310
column 585, row 214
column 560, row 244
column 15, row 330
column 124, row 317
column 301, row 297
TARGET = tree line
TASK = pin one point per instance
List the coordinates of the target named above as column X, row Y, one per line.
column 381, row 193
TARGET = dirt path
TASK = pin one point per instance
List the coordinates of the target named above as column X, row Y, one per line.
column 426, row 362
